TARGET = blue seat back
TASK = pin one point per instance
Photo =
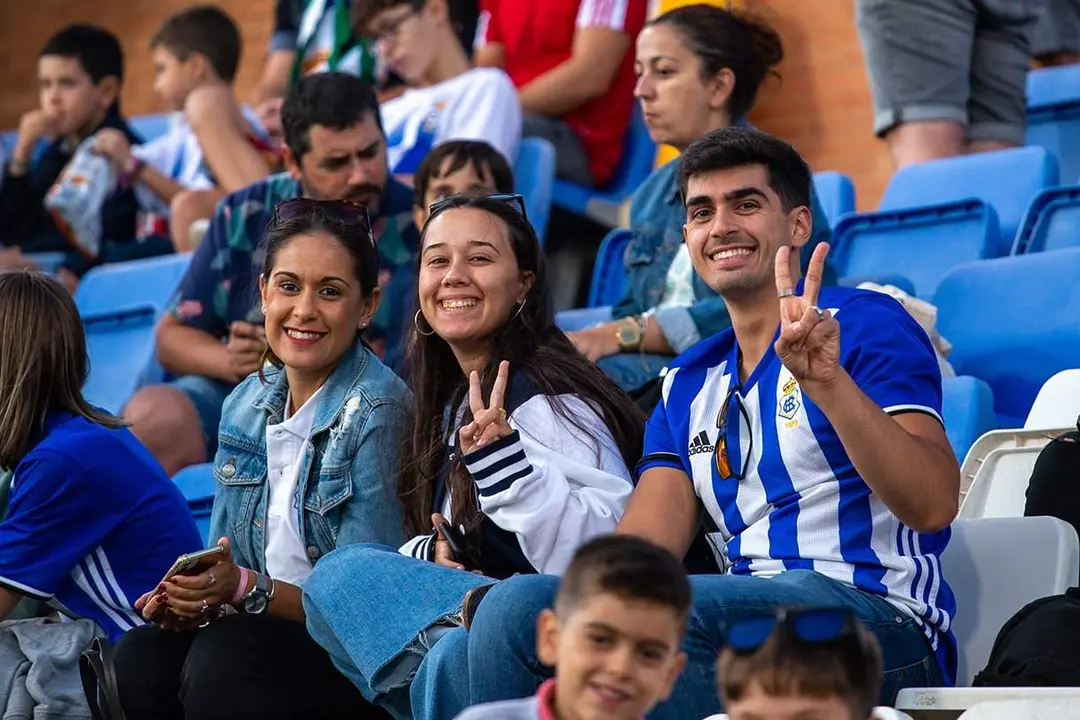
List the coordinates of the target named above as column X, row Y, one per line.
column 609, row 271
column 196, row 482
column 1013, row 322
column 1052, row 222
column 534, row 176
column 921, row 244
column 836, row 192
column 151, row 281
column 967, row 407
column 1006, row 179
column 120, row 345
column 1053, row 116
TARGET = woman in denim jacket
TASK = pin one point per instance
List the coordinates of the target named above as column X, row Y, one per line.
column 306, row 463
column 699, row 68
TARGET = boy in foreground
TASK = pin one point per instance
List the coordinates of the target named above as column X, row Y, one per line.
column 614, row 636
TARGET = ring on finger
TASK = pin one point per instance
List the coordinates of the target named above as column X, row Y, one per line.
column 212, row 581
column 502, row 413
column 205, row 606
column 818, row 311
column 785, row 292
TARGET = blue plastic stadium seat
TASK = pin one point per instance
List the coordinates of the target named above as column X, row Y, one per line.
column 1013, row 322
column 609, row 271
column 1052, row 222
column 534, row 176
column 836, row 193
column 1006, row 179
column 196, row 482
column 1053, row 115
column 123, row 285
column 967, row 407
column 581, row 318
column 120, row 345
column 150, row 127
column 920, row 244
column 602, row 205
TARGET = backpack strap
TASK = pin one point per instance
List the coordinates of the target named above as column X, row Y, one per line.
column 98, row 674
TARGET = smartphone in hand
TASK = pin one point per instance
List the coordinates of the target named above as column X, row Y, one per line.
column 195, row 562
column 458, row 546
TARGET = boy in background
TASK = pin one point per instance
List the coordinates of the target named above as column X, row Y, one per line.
column 819, row 663
column 213, row 147
column 80, row 74
column 459, row 167
column 614, row 636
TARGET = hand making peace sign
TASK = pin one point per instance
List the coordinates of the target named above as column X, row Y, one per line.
column 809, row 342
column 489, row 421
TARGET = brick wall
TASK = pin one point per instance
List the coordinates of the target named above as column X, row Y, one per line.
column 822, row 104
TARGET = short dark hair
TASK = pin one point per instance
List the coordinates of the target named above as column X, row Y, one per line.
column 206, row 30
column 364, row 11
column 96, row 49
column 628, row 567
column 477, row 153
column 732, row 147
column 335, row 100
column 784, row 667
column 731, row 39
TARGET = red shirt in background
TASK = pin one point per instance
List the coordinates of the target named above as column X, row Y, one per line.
column 538, row 35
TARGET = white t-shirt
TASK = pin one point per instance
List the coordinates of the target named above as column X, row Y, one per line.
column 177, row 155
column 286, row 557
column 480, row 104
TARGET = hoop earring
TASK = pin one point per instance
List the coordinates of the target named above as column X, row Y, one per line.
column 416, row 324
column 520, row 308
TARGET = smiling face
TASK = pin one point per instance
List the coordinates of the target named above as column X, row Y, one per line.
column 314, row 303
column 678, row 102
column 735, row 223
column 615, row 658
column 470, row 283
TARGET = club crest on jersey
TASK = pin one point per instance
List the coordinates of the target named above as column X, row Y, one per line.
column 789, row 403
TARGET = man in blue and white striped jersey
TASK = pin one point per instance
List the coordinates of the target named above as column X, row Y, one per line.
column 809, row 436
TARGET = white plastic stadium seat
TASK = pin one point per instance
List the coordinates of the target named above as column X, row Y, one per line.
column 1058, row 402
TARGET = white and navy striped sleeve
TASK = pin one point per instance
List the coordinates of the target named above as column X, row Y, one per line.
column 550, row 482
column 421, row 547
column 889, row 356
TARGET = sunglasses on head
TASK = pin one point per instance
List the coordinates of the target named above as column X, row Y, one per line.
column 344, row 211
column 514, row 200
column 810, row 626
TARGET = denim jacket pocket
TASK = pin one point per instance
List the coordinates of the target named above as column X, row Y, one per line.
column 241, row 474
column 641, row 250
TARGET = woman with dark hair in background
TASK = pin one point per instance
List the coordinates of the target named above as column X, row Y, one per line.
column 305, row 464
column 519, row 453
column 699, row 69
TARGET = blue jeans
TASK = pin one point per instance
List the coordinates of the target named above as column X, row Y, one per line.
column 208, row 396
column 503, row 665
column 391, row 625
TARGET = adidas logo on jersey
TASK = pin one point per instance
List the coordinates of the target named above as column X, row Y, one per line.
column 700, row 444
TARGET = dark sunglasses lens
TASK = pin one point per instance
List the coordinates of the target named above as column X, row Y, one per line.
column 819, row 626
column 750, row 634
column 292, row 209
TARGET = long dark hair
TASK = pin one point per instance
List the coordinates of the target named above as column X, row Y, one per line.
column 533, row 345
column 728, row 39
column 43, row 364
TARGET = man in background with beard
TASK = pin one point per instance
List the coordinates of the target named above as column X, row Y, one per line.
column 212, row 335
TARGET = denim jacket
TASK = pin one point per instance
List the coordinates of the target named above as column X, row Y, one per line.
column 657, row 216
column 347, row 486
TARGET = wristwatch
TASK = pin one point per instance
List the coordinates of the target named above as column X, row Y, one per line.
column 631, row 331
column 261, row 594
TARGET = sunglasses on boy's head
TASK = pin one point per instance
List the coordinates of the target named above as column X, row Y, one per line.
column 514, row 200
column 344, row 211
column 810, row 626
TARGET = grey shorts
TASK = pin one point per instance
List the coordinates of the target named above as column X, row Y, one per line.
column 964, row 61
column 1058, row 30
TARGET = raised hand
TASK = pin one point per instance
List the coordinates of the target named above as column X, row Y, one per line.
column 809, row 342
column 489, row 420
